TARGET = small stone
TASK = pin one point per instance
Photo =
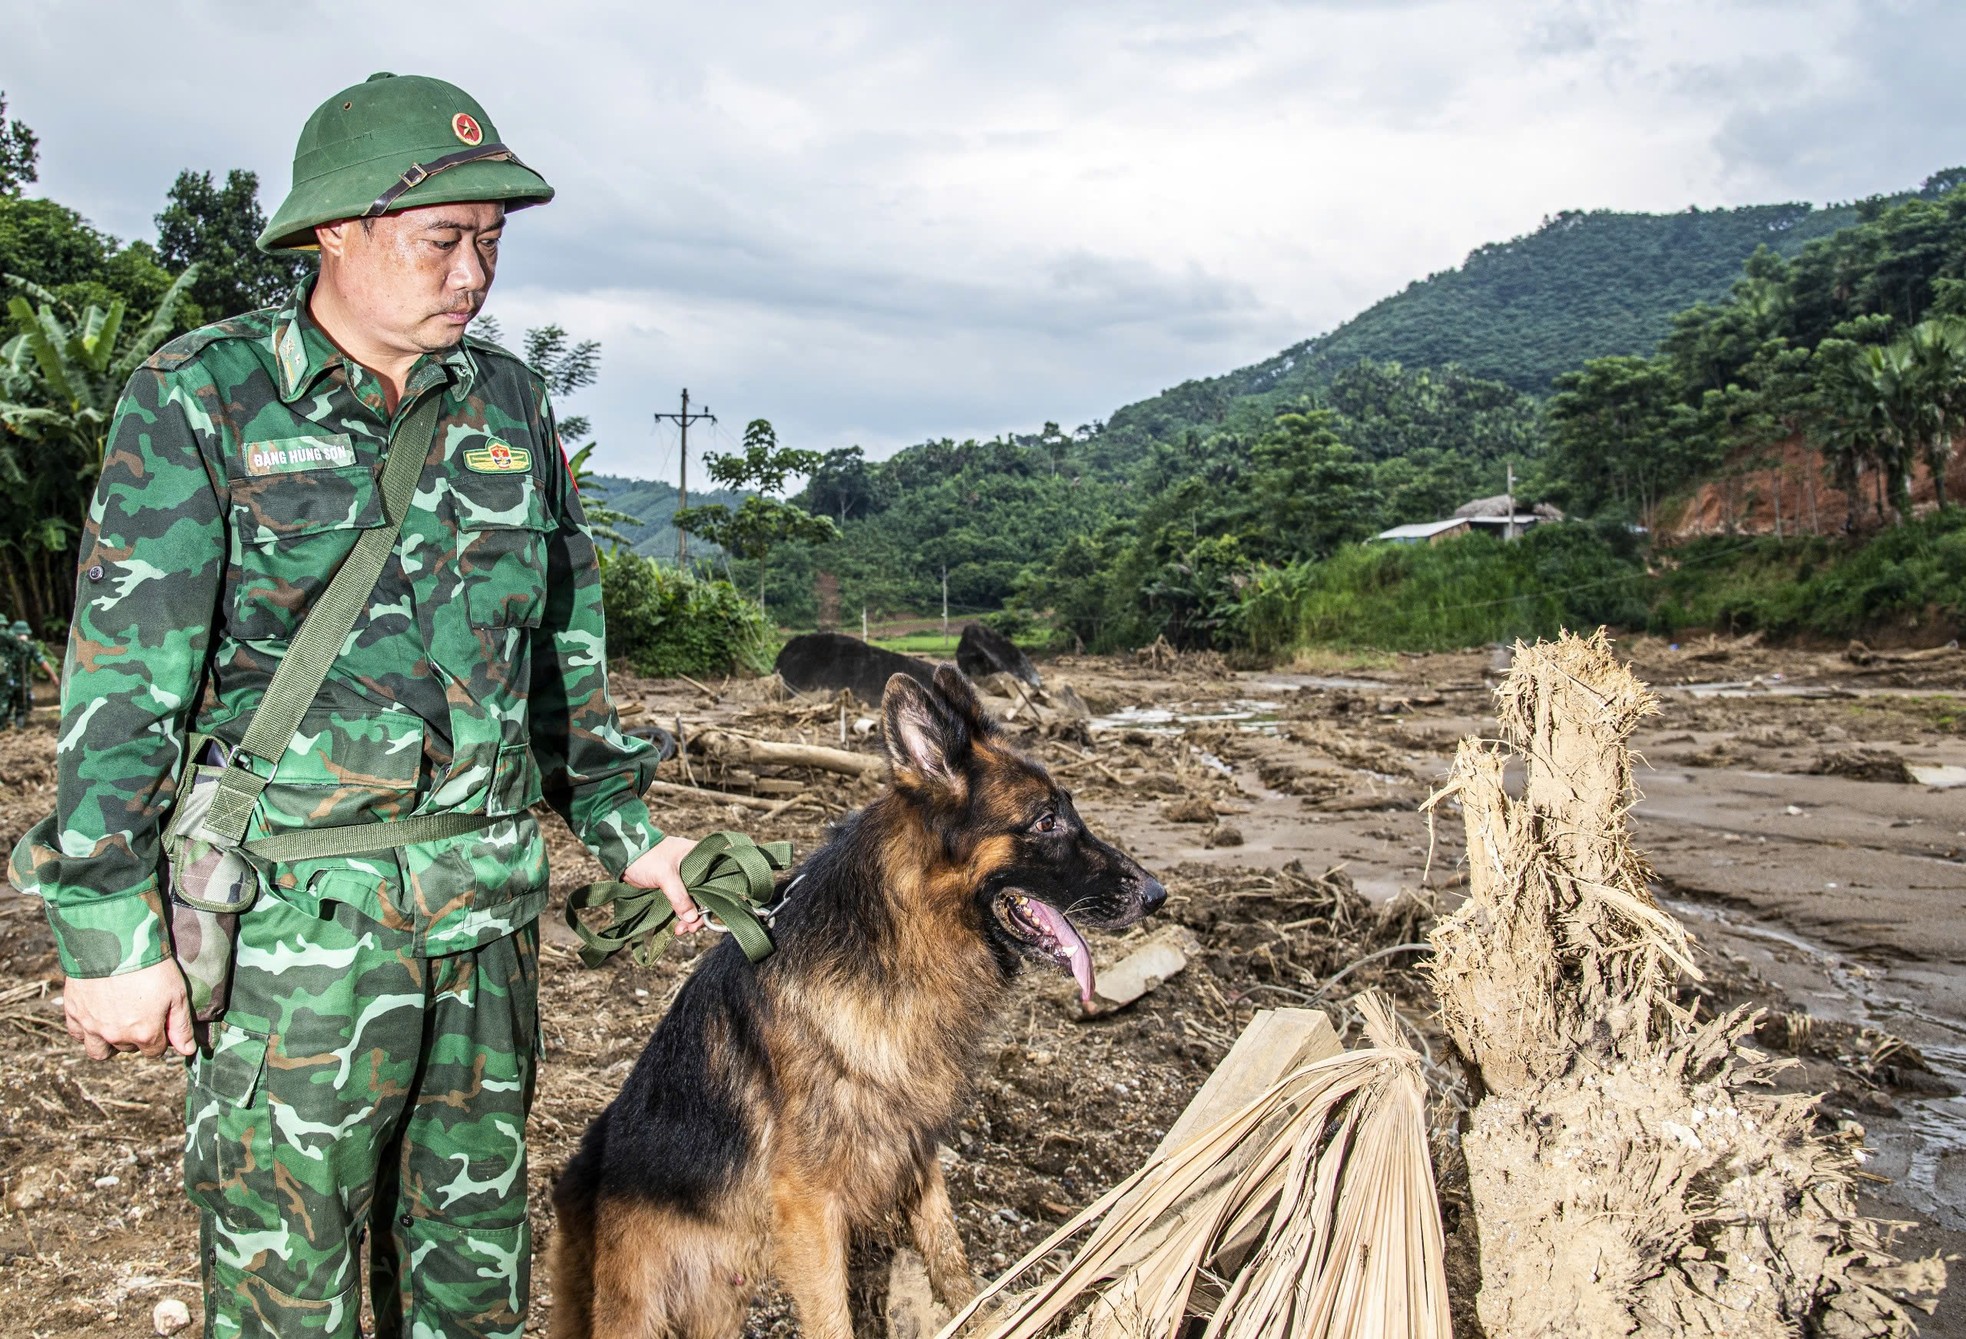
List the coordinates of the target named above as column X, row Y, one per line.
column 1192, row 809
column 31, row 1188
column 169, row 1316
column 1223, row 834
column 107, row 1182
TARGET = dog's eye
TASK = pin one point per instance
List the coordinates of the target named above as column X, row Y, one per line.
column 1047, row 822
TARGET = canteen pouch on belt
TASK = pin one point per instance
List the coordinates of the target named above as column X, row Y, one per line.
column 207, row 884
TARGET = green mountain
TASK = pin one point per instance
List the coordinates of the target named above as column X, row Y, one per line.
column 652, row 503
column 1586, row 284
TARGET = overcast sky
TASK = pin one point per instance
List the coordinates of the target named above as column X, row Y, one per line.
column 876, row 221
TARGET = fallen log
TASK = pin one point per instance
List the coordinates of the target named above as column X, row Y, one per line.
column 720, row 796
column 730, row 747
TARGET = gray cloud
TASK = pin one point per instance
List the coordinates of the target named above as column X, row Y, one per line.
column 880, row 222
column 1887, row 112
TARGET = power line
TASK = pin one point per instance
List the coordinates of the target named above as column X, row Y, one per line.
column 682, row 421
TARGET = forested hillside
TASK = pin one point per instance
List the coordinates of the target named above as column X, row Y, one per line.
column 1611, row 361
column 652, row 503
column 1586, row 284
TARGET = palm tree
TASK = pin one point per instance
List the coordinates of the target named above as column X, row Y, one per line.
column 1884, row 399
column 1847, row 422
column 60, row 379
column 1937, row 347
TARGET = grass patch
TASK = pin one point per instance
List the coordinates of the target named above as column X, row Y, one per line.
column 920, row 644
column 1445, row 597
column 1337, row 660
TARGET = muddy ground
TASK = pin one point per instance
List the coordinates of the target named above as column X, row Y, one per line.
column 1789, row 814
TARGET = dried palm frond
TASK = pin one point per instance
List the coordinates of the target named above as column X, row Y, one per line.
column 1309, row 1212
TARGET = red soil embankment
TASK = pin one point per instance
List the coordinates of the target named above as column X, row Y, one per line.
column 1787, row 488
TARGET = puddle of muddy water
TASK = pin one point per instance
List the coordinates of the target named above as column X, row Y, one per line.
column 1292, row 682
column 1251, row 714
column 1922, row 1151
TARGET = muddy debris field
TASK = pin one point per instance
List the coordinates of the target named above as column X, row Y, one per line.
column 1804, row 814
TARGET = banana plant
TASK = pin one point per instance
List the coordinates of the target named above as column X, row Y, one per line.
column 602, row 519
column 61, row 376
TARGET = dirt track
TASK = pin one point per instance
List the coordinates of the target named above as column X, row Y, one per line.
column 1819, row 895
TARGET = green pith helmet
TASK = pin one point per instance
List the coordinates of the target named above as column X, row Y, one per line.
column 396, row 142
column 20, row 628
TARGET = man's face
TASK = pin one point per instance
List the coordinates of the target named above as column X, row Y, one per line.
column 414, row 279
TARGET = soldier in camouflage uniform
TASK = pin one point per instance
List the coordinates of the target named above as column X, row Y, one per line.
column 24, row 655
column 9, row 674
column 371, row 1075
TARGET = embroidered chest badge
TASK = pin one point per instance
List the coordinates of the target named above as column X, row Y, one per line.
column 495, row 457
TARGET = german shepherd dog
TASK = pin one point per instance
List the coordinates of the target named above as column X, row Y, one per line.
column 781, row 1106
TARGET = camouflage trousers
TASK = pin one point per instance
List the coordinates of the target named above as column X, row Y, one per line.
column 354, row 1091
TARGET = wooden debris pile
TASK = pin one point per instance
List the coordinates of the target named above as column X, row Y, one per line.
column 1629, row 1171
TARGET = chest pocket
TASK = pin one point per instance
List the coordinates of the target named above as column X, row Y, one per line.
column 290, row 534
column 501, row 547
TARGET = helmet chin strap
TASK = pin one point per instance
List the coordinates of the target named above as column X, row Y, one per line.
column 422, row 172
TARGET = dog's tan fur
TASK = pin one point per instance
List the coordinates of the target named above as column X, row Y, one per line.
column 861, row 1073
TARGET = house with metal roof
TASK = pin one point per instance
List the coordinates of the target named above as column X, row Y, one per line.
column 1426, row 532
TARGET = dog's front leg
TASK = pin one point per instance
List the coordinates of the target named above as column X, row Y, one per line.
column 933, row 1222
column 809, row 1255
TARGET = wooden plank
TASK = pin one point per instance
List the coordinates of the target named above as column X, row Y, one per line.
column 1275, row 1042
column 1154, row 959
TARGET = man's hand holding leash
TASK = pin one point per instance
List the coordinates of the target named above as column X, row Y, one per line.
column 661, row 867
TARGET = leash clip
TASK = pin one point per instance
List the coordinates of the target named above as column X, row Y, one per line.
column 769, row 915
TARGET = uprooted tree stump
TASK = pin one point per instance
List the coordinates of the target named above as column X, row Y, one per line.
column 1630, row 1172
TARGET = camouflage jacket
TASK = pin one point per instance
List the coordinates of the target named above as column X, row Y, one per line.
column 241, row 465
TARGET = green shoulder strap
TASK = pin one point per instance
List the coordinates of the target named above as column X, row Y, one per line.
column 727, row 874
column 312, row 653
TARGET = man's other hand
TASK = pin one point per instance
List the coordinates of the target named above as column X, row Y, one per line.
column 659, row 867
column 145, row 1011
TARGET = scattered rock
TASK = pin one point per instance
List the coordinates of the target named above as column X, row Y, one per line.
column 912, row 1311
column 1863, row 765
column 1223, row 834
column 169, row 1316
column 32, row 1187
column 1151, row 962
column 1192, row 809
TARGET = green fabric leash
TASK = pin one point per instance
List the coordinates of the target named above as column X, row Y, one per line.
column 728, row 875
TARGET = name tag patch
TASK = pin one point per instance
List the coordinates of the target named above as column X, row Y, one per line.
column 496, row 457
column 325, row 452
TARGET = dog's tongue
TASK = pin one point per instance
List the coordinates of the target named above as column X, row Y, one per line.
column 1076, row 953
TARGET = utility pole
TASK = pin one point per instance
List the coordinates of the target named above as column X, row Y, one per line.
column 945, row 604
column 682, row 421
column 1508, row 526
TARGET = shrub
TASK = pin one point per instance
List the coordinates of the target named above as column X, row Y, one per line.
column 1463, row 592
column 663, row 621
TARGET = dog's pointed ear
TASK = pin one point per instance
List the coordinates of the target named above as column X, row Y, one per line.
column 956, row 688
column 927, row 743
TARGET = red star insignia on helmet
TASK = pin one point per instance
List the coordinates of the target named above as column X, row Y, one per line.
column 466, row 128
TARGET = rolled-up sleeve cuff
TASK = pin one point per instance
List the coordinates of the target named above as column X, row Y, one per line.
column 108, row 936
column 624, row 836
